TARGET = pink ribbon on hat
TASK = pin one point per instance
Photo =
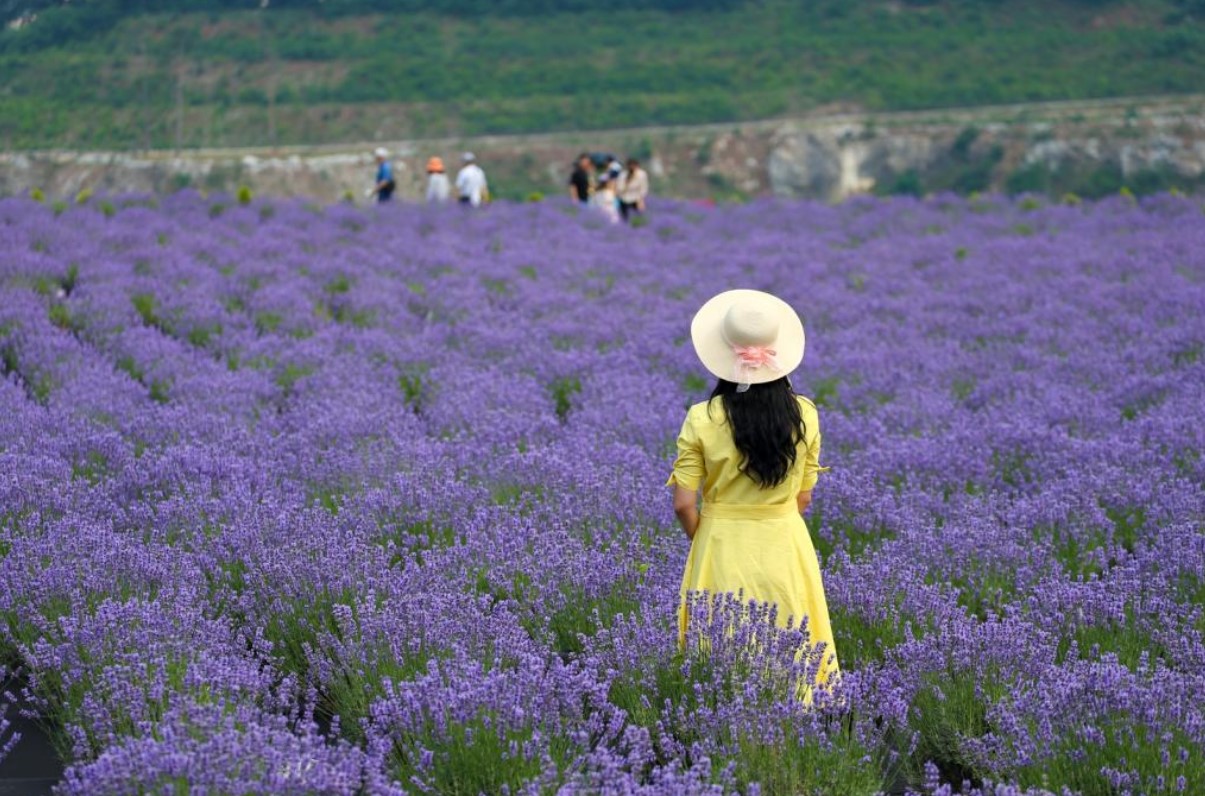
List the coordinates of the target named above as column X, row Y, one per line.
column 750, row 358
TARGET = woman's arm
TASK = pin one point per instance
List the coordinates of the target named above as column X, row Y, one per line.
column 803, row 500
column 686, row 507
column 811, row 458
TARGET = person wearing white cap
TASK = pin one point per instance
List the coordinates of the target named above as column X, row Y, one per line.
column 385, row 185
column 471, row 186
column 753, row 450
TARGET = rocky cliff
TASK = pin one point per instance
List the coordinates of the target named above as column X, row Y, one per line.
column 1090, row 148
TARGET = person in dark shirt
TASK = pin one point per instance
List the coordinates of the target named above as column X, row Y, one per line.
column 579, row 181
column 385, row 184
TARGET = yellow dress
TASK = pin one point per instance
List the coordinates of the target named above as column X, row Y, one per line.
column 752, row 540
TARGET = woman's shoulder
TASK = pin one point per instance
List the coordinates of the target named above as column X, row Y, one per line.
column 705, row 412
column 809, row 408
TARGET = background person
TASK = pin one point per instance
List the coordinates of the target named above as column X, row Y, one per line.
column 633, row 189
column 385, row 184
column 753, row 449
column 470, row 182
column 438, row 187
column 605, row 198
column 579, row 181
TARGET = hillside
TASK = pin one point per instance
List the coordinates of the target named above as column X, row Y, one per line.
column 1088, row 148
column 123, row 75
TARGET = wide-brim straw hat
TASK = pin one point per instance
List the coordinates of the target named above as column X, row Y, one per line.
column 748, row 337
column 380, row 152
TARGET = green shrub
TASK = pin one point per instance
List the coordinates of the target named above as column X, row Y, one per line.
column 1102, row 181
column 1034, row 178
column 907, row 183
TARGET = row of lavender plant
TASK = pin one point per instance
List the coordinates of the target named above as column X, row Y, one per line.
column 325, row 500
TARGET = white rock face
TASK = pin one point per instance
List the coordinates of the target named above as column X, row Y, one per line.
column 805, row 164
column 844, row 161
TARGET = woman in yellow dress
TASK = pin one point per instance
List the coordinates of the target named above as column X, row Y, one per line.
column 753, row 449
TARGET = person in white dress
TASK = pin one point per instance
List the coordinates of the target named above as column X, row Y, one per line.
column 438, row 187
column 605, row 198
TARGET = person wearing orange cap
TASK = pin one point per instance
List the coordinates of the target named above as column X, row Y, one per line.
column 438, row 188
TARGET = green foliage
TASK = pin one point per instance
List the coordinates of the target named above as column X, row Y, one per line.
column 467, row 67
column 808, row 766
column 350, row 693
column 244, row 195
column 146, row 307
column 267, row 322
column 337, row 286
column 826, row 391
column 582, row 616
column 1104, row 179
column 950, row 710
column 288, row 377
column 562, row 391
column 130, row 367
column 91, row 468
column 60, row 316
column 1082, row 763
column 159, row 391
column 473, row 757
column 200, row 336
column 907, row 183
column 414, row 386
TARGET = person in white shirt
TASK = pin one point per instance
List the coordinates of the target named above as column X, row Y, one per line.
column 633, row 189
column 438, row 188
column 470, row 182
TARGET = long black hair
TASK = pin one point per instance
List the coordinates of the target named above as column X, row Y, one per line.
column 767, row 427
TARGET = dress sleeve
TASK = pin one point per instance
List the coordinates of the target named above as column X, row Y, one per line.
column 688, row 467
column 811, row 462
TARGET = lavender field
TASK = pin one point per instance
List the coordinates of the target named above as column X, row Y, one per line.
column 303, row 500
